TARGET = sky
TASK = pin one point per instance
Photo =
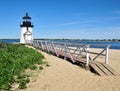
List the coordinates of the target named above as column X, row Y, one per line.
column 71, row 19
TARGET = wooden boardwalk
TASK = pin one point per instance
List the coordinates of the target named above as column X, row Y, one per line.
column 78, row 53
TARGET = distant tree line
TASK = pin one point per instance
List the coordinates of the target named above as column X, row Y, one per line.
column 104, row 40
column 63, row 39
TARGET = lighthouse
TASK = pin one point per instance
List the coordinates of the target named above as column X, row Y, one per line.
column 26, row 30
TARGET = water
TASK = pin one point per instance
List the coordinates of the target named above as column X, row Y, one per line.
column 10, row 40
column 113, row 45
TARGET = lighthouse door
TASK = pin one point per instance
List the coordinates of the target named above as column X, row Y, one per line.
column 28, row 36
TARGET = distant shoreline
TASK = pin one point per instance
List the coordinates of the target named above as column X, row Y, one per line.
column 93, row 40
column 114, row 43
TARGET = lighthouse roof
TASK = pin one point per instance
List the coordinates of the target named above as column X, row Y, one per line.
column 26, row 16
column 26, row 22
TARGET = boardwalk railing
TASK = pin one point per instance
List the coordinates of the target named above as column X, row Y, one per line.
column 73, row 51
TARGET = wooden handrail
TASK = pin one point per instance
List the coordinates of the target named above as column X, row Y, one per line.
column 72, row 49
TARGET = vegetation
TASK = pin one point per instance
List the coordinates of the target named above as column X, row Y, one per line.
column 14, row 59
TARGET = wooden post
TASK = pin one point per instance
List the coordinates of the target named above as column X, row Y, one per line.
column 70, row 54
column 41, row 45
column 47, row 50
column 33, row 43
column 65, row 51
column 52, row 46
column 106, row 57
column 54, row 49
column 37, row 44
column 87, row 56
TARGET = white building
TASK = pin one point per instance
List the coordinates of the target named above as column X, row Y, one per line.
column 26, row 30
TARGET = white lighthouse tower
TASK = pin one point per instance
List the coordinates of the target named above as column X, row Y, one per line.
column 26, row 30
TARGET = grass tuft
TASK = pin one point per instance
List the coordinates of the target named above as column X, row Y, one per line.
column 40, row 68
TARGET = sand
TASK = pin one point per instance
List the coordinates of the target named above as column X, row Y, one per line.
column 61, row 75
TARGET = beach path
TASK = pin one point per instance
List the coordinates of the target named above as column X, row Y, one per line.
column 61, row 75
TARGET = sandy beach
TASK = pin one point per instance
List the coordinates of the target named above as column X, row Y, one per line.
column 61, row 75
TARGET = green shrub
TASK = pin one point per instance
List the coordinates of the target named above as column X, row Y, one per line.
column 14, row 59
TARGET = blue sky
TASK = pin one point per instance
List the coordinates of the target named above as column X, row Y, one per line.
column 78, row 19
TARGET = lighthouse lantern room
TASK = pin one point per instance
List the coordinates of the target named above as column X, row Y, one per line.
column 26, row 30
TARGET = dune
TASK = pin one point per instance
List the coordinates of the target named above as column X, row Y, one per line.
column 61, row 75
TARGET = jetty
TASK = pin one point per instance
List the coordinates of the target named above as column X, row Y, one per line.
column 79, row 54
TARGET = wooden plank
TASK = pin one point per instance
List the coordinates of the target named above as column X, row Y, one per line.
column 73, row 49
column 101, row 73
column 75, row 53
column 96, row 53
column 111, row 70
column 106, row 71
column 60, row 53
column 79, row 59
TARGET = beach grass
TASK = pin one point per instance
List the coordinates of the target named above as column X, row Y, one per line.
column 14, row 60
